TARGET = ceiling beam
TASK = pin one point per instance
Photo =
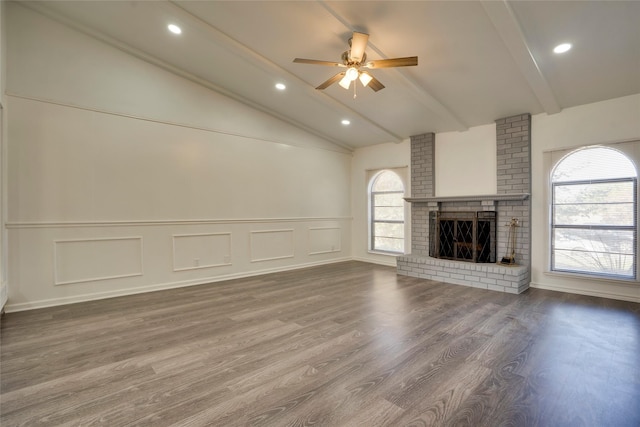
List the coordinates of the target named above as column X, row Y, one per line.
column 509, row 29
column 270, row 66
column 418, row 91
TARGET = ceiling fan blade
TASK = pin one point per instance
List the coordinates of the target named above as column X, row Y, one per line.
column 358, row 45
column 331, row 81
column 317, row 62
column 375, row 84
column 409, row 61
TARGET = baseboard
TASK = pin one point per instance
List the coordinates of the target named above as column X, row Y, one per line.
column 390, row 263
column 12, row 308
column 4, row 296
column 592, row 293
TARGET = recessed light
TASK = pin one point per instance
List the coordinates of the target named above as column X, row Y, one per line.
column 174, row 29
column 562, row 48
column 280, row 86
column 346, row 122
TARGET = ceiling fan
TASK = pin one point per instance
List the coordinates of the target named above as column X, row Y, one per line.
column 354, row 60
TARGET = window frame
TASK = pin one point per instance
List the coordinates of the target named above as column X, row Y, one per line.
column 372, row 219
column 552, row 226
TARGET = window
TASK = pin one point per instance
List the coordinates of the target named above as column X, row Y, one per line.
column 387, row 213
column 593, row 215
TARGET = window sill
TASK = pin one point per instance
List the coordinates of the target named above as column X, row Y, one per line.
column 610, row 280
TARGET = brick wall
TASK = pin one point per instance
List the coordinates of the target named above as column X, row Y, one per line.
column 423, row 155
column 513, row 151
column 423, row 149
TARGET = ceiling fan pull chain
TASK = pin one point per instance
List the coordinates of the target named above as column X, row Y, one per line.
column 354, row 89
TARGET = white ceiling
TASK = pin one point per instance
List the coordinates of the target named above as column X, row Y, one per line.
column 478, row 60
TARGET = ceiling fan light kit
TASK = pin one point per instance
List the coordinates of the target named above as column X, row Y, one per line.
column 353, row 60
column 365, row 78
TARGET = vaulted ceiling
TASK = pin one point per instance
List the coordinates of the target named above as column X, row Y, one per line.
column 478, row 60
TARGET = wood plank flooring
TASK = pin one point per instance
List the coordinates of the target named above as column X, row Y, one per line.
column 348, row 344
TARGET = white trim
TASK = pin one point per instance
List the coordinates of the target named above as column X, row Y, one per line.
column 582, row 291
column 287, row 230
column 173, row 244
column 594, row 144
column 57, row 282
column 135, row 223
column 4, row 295
column 4, row 186
column 200, row 267
column 374, row 170
column 377, row 261
column 324, row 252
column 631, row 282
column 385, row 253
column 11, row 308
column 326, row 228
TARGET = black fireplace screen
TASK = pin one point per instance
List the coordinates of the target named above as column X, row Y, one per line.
column 463, row 236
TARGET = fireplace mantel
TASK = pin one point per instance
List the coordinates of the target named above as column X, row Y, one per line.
column 490, row 197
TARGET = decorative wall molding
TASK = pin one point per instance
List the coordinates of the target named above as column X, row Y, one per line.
column 63, row 262
column 223, row 245
column 269, row 245
column 136, row 223
column 331, row 246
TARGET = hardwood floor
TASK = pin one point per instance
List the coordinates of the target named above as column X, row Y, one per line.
column 349, row 344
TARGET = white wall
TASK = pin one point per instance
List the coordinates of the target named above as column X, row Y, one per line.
column 364, row 161
column 124, row 178
column 603, row 122
column 466, row 162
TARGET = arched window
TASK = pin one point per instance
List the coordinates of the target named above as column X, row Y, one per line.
column 593, row 218
column 387, row 213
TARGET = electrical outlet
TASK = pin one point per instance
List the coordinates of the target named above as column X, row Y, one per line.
column 196, row 262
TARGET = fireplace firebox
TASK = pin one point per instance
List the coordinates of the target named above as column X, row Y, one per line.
column 463, row 236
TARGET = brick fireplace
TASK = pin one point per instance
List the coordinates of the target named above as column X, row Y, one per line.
column 513, row 151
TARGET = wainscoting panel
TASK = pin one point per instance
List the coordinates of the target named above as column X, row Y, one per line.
column 195, row 251
column 86, row 260
column 324, row 240
column 56, row 263
column 270, row 245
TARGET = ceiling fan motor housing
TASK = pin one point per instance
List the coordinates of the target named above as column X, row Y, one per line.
column 345, row 59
